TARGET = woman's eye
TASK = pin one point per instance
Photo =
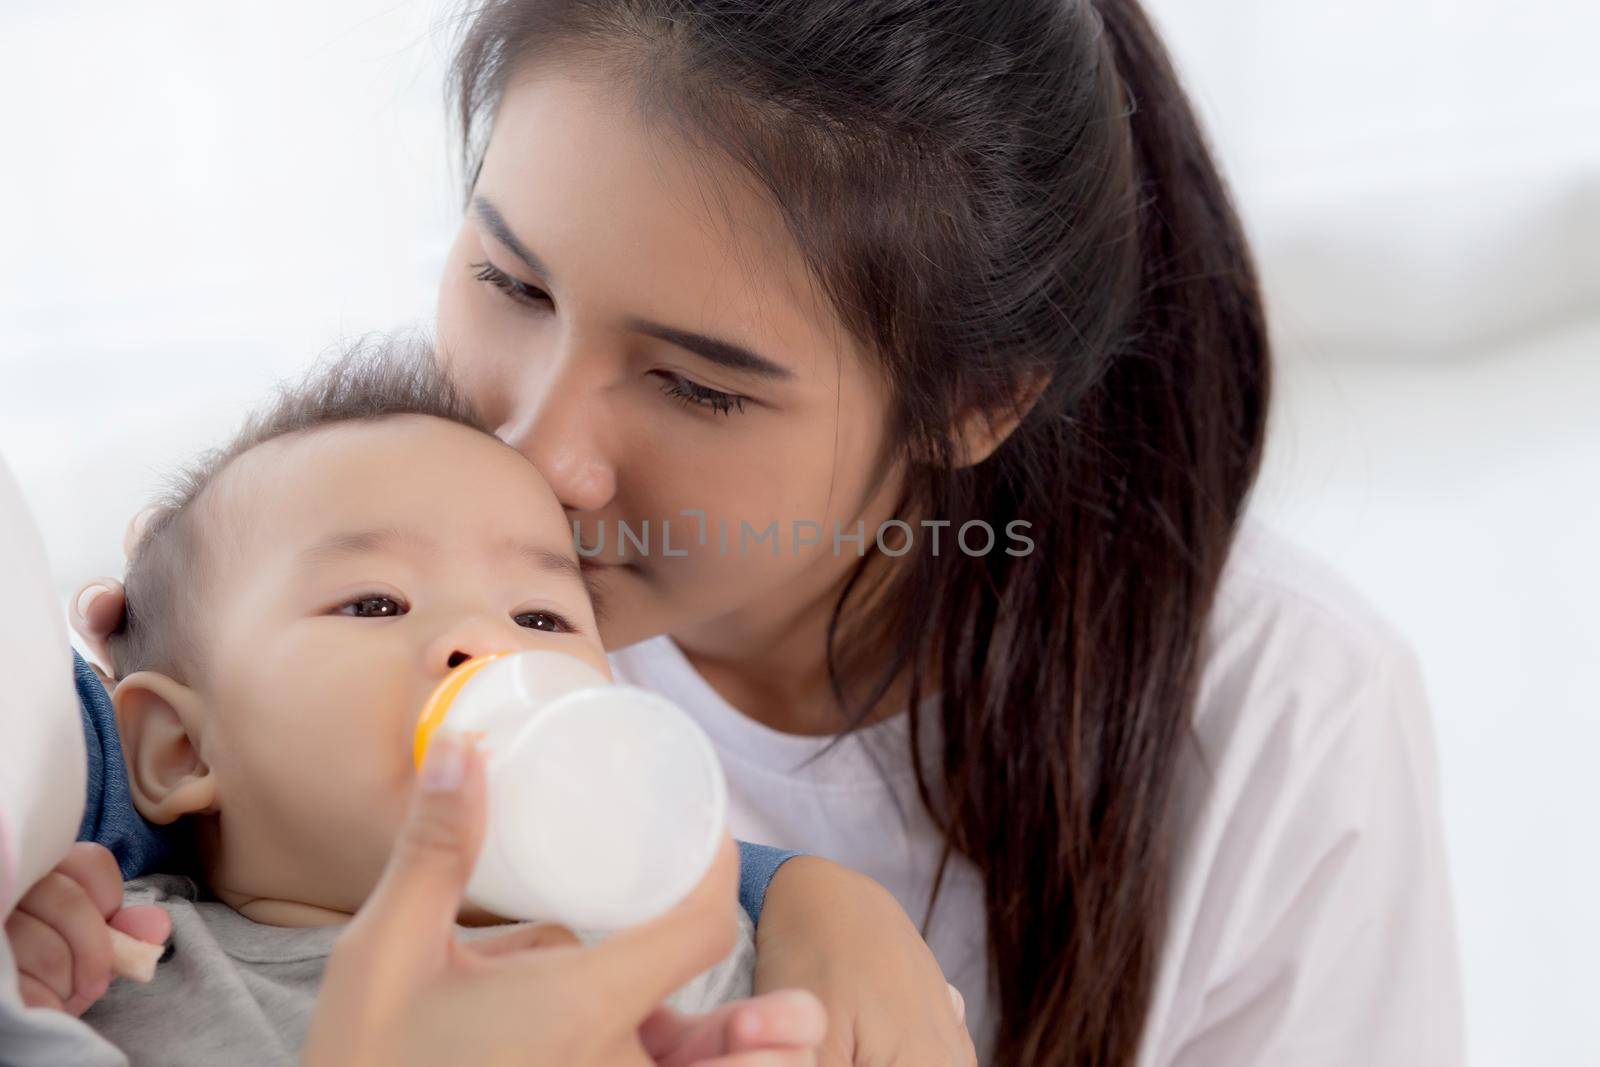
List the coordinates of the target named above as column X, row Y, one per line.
column 697, row 395
column 373, row 607
column 547, row 621
column 517, row 290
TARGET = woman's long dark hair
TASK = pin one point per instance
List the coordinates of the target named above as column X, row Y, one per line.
column 1012, row 203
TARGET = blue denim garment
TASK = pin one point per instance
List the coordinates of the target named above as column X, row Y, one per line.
column 757, row 865
column 110, row 818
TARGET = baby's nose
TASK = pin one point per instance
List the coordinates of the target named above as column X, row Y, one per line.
column 466, row 640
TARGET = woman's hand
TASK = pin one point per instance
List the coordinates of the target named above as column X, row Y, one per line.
column 844, row 937
column 787, row 1024
column 400, row 989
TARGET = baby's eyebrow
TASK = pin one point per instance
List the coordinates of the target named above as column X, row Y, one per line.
column 359, row 542
column 563, row 565
column 547, row 559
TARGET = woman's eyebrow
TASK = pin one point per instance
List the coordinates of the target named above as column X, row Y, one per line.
column 497, row 226
column 724, row 353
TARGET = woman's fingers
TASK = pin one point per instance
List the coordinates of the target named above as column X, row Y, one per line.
column 414, row 906
column 764, row 1058
column 400, row 988
column 668, row 1036
column 523, row 939
column 787, row 1019
column 95, row 613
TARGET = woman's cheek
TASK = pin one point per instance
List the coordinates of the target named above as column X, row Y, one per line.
column 466, row 350
column 452, row 316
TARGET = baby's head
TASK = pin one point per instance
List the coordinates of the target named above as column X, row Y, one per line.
column 297, row 599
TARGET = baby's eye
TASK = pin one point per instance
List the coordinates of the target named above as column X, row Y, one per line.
column 548, row 621
column 372, row 607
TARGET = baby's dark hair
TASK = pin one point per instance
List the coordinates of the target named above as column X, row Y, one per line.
column 376, row 378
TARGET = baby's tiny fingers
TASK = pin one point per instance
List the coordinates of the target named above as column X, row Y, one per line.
column 35, row 994
column 95, row 613
column 94, row 868
column 147, row 922
column 64, row 907
column 136, row 527
column 41, row 953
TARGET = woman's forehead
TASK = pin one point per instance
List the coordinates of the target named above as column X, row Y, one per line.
column 633, row 221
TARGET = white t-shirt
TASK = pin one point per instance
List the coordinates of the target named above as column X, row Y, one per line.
column 1310, row 918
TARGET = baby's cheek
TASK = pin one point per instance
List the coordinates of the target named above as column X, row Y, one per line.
column 386, row 807
column 362, row 835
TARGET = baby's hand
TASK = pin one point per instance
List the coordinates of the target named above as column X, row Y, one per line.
column 60, row 932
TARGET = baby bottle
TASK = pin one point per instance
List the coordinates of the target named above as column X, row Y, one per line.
column 606, row 803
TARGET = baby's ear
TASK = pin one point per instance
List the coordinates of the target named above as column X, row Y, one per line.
column 156, row 717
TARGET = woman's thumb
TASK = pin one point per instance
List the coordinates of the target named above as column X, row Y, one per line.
column 419, row 894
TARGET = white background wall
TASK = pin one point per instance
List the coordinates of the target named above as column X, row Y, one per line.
column 198, row 197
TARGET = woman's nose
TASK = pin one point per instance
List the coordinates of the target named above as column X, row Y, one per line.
column 563, row 431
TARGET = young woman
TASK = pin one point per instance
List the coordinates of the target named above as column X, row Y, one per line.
column 925, row 340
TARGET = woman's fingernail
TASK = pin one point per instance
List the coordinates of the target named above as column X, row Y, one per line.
column 444, row 767
column 958, row 1002
column 88, row 596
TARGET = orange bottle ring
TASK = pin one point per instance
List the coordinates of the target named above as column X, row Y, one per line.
column 438, row 704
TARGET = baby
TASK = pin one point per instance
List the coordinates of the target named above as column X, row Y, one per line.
column 287, row 614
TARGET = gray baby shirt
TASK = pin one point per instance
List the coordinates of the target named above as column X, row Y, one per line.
column 233, row 991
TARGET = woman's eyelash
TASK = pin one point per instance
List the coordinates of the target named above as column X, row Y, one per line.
column 675, row 385
column 560, row 624
column 520, row 291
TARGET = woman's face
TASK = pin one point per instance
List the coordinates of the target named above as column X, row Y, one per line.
column 632, row 315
